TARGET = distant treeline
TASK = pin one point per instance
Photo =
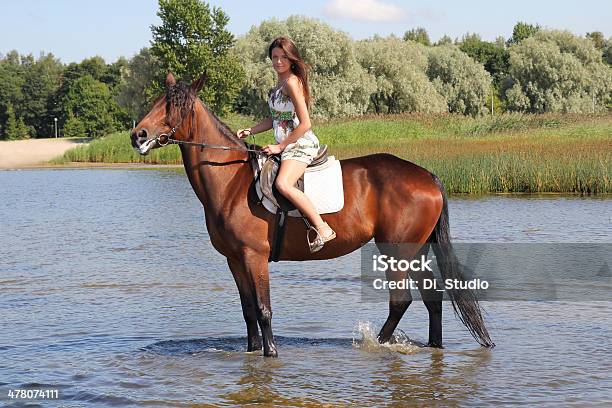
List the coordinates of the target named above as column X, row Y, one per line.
column 534, row 71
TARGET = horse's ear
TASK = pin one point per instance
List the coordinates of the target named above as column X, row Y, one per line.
column 170, row 80
column 198, row 84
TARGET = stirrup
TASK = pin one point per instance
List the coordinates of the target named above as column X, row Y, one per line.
column 319, row 241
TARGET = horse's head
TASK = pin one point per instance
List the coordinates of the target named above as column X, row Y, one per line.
column 168, row 116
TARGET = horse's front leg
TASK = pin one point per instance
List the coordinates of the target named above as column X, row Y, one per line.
column 248, row 302
column 257, row 266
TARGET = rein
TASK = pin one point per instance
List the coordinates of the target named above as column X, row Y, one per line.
column 167, row 138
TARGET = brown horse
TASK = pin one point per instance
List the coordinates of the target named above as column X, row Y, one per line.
column 386, row 198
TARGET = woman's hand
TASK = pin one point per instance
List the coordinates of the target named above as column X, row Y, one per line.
column 241, row 133
column 273, row 149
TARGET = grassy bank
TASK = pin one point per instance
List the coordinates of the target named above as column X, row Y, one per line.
column 507, row 153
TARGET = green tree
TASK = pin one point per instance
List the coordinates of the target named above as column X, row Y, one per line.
column 12, row 78
column 135, row 92
column 556, row 71
column 42, row 81
column 494, row 58
column 598, row 39
column 192, row 40
column 444, row 40
column 607, row 52
column 500, row 41
column 400, row 86
column 74, row 127
column 419, row 35
column 522, row 31
column 10, row 129
column 113, row 76
column 94, row 67
column 15, row 128
column 462, row 81
column 92, row 102
column 603, row 45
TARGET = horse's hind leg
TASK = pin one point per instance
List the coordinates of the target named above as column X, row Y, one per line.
column 434, row 307
column 248, row 302
column 399, row 299
column 432, row 298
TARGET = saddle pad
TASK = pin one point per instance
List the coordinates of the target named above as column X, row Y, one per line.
column 322, row 185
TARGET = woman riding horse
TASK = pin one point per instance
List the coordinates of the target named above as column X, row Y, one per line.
column 387, row 199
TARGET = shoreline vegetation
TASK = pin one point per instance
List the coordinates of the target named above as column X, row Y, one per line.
column 509, row 153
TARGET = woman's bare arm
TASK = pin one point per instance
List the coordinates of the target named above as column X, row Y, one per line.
column 262, row 126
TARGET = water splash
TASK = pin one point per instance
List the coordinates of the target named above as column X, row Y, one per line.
column 399, row 342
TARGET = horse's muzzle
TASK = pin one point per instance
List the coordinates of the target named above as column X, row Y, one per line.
column 140, row 141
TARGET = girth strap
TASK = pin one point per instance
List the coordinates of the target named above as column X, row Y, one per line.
column 279, row 235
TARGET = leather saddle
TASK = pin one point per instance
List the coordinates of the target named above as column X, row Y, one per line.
column 269, row 172
column 266, row 178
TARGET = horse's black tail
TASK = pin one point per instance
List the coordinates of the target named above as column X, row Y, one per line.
column 464, row 301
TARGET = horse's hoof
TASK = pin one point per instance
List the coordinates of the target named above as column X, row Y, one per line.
column 254, row 346
column 271, row 352
column 385, row 339
column 435, row 345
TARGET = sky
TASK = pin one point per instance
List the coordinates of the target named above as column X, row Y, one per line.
column 74, row 30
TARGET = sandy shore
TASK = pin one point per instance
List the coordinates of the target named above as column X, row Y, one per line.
column 19, row 154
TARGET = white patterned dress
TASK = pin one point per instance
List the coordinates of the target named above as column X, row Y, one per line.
column 284, row 120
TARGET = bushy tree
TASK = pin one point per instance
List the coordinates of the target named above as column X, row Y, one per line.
column 115, row 74
column 74, row 127
column 94, row 67
column 91, row 101
column 29, row 84
column 339, row 85
column 500, row 41
column 42, row 81
column 12, row 78
column 193, row 39
column 398, row 69
column 607, row 51
column 522, row 31
column 90, row 71
column 556, row 71
column 135, row 94
column 495, row 58
column 598, row 39
column 15, row 128
column 462, row 81
column 419, row 35
column 444, row 40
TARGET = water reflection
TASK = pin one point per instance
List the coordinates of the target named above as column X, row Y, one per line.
column 256, row 384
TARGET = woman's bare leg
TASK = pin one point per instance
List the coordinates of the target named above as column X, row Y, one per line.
column 289, row 173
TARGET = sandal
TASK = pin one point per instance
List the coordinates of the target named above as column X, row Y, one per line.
column 320, row 240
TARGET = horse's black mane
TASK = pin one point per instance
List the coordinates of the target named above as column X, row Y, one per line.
column 179, row 102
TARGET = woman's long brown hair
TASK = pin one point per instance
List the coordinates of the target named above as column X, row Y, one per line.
column 298, row 66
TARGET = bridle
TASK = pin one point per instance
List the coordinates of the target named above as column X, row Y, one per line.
column 165, row 139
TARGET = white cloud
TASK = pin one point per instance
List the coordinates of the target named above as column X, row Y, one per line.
column 364, row 10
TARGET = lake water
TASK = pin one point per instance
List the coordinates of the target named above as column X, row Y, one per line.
column 111, row 293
